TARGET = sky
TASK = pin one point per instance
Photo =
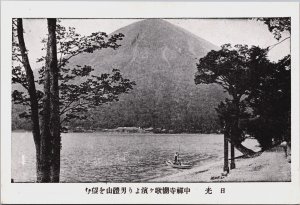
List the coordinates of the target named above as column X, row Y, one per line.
column 217, row 31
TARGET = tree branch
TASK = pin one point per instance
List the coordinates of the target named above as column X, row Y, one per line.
column 272, row 46
column 67, row 106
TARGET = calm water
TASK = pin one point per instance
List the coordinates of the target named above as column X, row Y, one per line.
column 116, row 157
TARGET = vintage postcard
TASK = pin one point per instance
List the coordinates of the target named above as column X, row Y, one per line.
column 149, row 102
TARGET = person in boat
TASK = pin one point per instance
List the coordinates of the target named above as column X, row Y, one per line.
column 176, row 158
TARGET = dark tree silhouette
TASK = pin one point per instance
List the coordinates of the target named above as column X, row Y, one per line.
column 260, row 91
column 270, row 100
column 232, row 68
column 270, row 96
column 69, row 92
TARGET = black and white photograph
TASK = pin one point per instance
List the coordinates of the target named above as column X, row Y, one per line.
column 152, row 101
column 175, row 101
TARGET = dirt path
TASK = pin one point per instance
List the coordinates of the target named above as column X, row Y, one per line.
column 271, row 165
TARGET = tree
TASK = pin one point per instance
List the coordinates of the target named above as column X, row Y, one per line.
column 270, row 100
column 50, row 125
column 264, row 85
column 270, row 93
column 232, row 68
column 69, row 92
column 27, row 80
column 277, row 26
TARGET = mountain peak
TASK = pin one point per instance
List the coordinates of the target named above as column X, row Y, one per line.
column 161, row 58
column 159, row 33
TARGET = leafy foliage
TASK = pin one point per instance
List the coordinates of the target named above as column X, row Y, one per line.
column 277, row 25
column 80, row 91
column 270, row 99
column 260, row 90
column 237, row 69
column 231, row 67
column 92, row 92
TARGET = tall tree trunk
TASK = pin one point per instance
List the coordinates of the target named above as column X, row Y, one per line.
column 33, row 98
column 232, row 161
column 225, row 168
column 235, row 132
column 235, row 135
column 235, row 140
column 46, row 137
column 54, row 101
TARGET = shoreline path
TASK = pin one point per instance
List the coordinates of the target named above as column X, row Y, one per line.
column 271, row 165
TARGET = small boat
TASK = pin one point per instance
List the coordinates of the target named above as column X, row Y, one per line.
column 178, row 166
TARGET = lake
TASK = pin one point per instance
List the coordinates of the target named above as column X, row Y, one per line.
column 116, row 157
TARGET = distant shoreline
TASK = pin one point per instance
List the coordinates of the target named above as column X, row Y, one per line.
column 124, row 132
